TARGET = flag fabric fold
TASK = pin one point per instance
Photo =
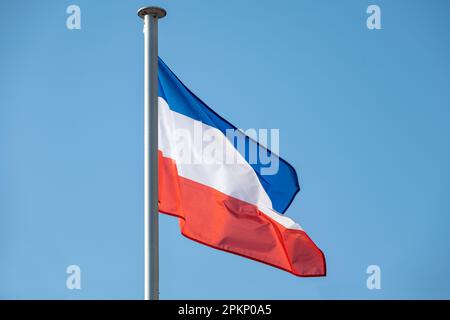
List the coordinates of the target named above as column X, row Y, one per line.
column 227, row 205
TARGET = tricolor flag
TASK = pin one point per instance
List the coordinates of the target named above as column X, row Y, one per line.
column 225, row 199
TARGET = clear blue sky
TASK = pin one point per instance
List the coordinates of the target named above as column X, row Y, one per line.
column 363, row 117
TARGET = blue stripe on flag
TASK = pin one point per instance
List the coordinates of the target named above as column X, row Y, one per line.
column 280, row 187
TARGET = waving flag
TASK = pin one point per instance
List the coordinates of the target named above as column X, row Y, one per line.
column 228, row 200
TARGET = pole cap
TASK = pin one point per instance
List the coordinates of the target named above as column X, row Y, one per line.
column 154, row 11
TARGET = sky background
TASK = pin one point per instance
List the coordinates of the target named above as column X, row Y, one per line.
column 363, row 117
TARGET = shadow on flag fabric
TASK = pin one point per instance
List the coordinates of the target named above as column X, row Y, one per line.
column 225, row 196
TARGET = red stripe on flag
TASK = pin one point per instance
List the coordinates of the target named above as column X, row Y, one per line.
column 226, row 223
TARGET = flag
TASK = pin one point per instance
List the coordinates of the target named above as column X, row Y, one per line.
column 224, row 195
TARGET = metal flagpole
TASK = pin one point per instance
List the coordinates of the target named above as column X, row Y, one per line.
column 151, row 255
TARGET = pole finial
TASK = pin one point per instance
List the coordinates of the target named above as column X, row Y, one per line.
column 154, row 11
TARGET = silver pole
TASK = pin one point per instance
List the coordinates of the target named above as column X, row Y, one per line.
column 151, row 255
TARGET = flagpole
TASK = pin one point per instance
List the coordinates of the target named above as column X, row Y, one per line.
column 151, row 254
